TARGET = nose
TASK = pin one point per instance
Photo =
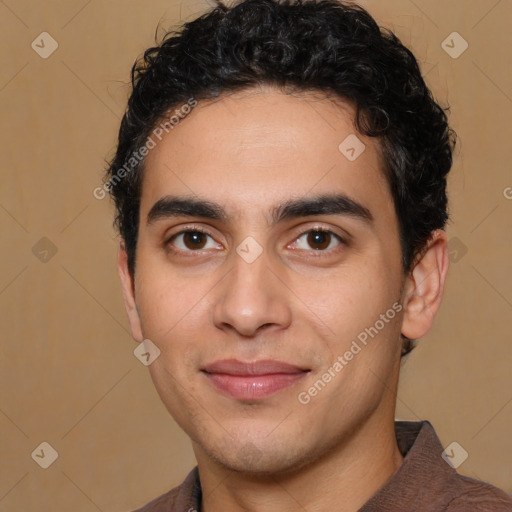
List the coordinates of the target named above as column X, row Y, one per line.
column 251, row 298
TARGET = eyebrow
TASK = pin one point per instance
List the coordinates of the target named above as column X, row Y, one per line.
column 325, row 204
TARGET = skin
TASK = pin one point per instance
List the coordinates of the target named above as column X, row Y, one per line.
column 249, row 152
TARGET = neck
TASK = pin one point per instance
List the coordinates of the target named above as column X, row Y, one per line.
column 343, row 479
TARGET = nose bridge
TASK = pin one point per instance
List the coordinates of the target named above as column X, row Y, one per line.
column 251, row 296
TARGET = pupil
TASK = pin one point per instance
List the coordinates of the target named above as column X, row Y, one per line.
column 195, row 239
column 319, row 238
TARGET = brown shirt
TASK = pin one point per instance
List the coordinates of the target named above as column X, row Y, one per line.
column 424, row 482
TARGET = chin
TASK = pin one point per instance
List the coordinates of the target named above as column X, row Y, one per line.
column 260, row 460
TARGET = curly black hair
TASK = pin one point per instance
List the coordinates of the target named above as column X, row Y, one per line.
column 320, row 45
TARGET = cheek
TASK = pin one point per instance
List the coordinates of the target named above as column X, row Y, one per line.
column 347, row 300
column 174, row 314
column 351, row 304
column 166, row 301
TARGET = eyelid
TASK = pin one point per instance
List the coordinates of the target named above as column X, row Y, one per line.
column 188, row 229
column 339, row 233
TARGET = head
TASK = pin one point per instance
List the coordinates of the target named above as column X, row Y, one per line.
column 303, row 143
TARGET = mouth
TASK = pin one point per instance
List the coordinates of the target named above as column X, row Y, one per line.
column 252, row 380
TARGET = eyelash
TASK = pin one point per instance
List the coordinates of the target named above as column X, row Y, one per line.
column 314, row 252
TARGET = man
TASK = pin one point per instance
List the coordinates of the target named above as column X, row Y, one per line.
column 280, row 186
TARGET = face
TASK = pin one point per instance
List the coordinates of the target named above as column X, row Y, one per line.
column 268, row 274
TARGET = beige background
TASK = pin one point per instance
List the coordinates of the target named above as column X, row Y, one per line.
column 68, row 375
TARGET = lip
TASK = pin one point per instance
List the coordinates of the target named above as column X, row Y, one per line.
column 252, row 380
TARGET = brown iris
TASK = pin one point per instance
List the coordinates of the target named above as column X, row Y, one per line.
column 320, row 238
column 194, row 239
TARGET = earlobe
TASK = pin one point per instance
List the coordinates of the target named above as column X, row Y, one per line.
column 128, row 287
column 424, row 287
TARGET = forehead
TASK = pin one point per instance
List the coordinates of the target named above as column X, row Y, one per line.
column 259, row 147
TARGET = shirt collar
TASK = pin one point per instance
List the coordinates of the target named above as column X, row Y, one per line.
column 423, row 476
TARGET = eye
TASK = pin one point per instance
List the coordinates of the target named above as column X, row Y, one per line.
column 195, row 239
column 192, row 240
column 318, row 240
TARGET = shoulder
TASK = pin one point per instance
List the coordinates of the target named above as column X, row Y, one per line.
column 427, row 481
column 476, row 496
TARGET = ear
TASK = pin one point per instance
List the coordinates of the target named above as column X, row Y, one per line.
column 424, row 287
column 128, row 287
